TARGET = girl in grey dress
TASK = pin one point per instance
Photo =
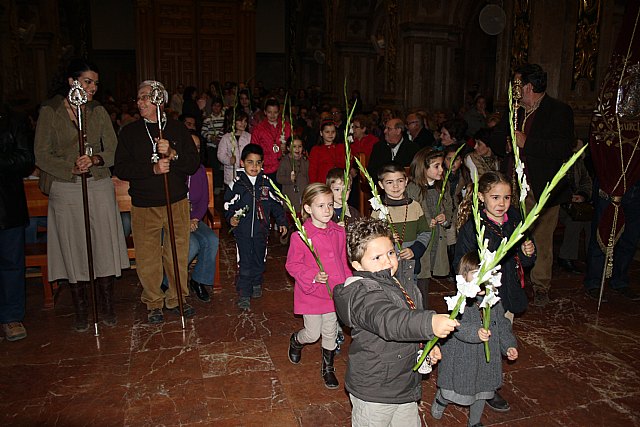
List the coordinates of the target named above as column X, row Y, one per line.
column 464, row 376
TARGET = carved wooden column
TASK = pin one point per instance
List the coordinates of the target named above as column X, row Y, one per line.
column 145, row 40
column 247, row 35
column 391, row 97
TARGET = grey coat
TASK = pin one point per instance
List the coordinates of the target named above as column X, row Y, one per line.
column 437, row 262
column 385, row 333
column 463, row 372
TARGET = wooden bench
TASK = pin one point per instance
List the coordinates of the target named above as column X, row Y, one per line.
column 36, row 253
column 38, row 203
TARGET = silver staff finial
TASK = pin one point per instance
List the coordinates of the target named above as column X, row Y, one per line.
column 77, row 95
column 157, row 93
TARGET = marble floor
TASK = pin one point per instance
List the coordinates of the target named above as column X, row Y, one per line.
column 230, row 368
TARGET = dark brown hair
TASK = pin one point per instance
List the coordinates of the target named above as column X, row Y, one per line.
column 419, row 166
column 485, row 183
column 360, row 232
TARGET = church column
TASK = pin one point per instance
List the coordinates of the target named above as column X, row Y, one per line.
column 247, row 33
column 145, row 40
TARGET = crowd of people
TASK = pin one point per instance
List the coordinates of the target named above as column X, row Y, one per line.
column 368, row 274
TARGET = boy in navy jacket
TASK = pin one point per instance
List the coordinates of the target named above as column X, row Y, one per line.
column 249, row 204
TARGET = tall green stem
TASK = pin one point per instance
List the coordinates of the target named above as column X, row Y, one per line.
column 507, row 244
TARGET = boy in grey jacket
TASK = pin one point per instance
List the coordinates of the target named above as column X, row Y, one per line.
column 382, row 306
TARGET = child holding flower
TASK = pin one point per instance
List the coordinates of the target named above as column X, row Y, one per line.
column 500, row 220
column 406, row 215
column 311, row 298
column 464, row 376
column 383, row 308
column 335, row 181
column 293, row 173
column 248, row 206
column 425, row 188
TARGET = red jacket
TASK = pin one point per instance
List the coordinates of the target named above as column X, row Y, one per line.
column 267, row 136
column 364, row 145
column 323, row 158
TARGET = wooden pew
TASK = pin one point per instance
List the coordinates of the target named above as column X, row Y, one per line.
column 36, row 253
column 38, row 203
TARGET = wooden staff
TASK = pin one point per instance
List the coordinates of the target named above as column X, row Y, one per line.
column 157, row 98
column 78, row 97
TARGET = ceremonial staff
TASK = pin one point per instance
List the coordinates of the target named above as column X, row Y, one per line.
column 157, row 98
column 78, row 97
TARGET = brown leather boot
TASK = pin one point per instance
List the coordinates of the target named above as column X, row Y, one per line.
column 79, row 293
column 104, row 287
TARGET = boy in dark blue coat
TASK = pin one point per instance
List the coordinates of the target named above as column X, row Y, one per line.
column 249, row 204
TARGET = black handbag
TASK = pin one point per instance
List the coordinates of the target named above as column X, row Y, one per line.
column 580, row 211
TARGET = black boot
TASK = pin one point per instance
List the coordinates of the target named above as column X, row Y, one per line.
column 328, row 371
column 498, row 404
column 295, row 349
column 79, row 295
column 105, row 292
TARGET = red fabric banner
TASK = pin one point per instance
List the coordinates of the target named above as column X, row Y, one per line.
column 615, row 127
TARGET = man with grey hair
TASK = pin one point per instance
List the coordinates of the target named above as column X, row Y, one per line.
column 142, row 158
column 417, row 132
column 395, row 148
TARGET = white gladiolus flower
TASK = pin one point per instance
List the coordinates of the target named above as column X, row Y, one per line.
column 522, row 178
column 520, row 169
column 468, row 289
column 240, row 213
column 496, row 279
column 377, row 205
column 452, row 301
column 487, row 256
column 489, row 300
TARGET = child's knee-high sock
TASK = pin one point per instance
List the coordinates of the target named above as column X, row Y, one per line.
column 439, row 405
column 475, row 411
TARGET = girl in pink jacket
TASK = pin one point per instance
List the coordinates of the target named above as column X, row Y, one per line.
column 310, row 295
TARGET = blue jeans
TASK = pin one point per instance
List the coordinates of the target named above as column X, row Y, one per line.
column 252, row 252
column 12, row 286
column 126, row 223
column 626, row 246
column 203, row 243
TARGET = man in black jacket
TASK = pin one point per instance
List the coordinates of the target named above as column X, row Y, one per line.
column 545, row 138
column 395, row 148
column 417, row 132
column 16, row 162
column 142, row 159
